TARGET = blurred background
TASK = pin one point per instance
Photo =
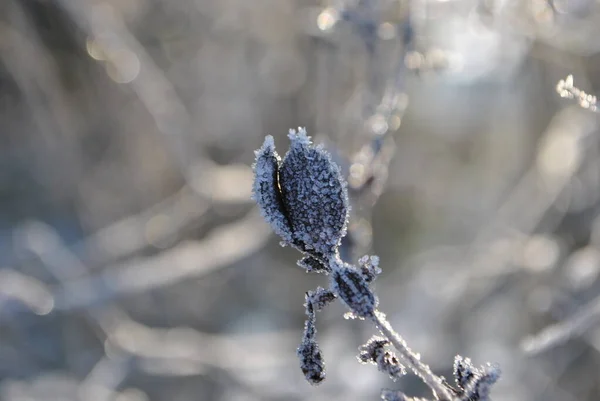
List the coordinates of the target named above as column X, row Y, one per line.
column 135, row 267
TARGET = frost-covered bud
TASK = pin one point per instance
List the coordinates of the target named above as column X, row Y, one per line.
column 313, row 265
column 374, row 347
column 315, row 196
column 463, row 371
column 475, row 384
column 265, row 190
column 350, row 285
column 309, row 353
column 369, row 267
column 304, row 198
column 318, row 299
column 374, row 352
column 479, row 386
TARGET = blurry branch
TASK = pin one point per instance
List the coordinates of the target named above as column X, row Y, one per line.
column 135, row 233
column 170, row 217
column 586, row 317
column 128, row 344
column 27, row 290
column 130, row 63
column 158, row 224
column 549, row 380
column 227, row 244
column 123, row 52
column 185, row 351
column 560, row 153
column 102, row 382
column 566, row 89
column 559, row 156
column 44, row 242
column 361, row 131
column 34, row 71
column 188, row 259
column 209, row 181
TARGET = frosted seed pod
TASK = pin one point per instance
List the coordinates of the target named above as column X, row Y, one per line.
column 314, row 194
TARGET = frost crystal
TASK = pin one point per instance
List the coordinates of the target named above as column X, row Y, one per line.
column 314, row 194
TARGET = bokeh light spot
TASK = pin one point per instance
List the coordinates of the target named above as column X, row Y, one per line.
column 123, row 66
column 327, row 19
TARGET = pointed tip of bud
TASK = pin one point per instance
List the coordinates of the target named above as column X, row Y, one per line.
column 299, row 137
column 268, row 147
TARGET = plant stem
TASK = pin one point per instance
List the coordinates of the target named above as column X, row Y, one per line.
column 410, row 359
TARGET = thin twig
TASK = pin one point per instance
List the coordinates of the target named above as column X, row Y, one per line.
column 586, row 317
column 411, row 359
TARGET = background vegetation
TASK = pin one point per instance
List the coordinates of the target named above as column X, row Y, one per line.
column 134, row 266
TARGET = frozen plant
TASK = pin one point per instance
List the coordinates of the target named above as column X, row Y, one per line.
column 304, row 198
